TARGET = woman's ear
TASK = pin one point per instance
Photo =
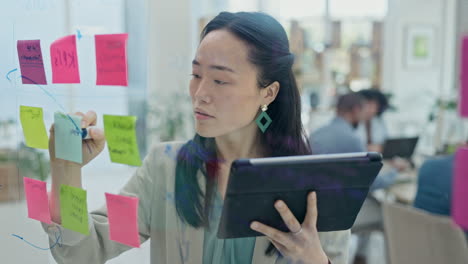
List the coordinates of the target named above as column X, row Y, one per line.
column 270, row 92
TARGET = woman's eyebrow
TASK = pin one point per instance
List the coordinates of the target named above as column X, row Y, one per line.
column 215, row 67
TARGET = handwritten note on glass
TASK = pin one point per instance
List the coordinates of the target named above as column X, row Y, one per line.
column 32, row 121
column 37, row 200
column 111, row 59
column 64, row 60
column 68, row 141
column 73, row 209
column 31, row 63
column 121, row 139
column 122, row 212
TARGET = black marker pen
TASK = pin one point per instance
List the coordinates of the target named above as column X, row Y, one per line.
column 85, row 132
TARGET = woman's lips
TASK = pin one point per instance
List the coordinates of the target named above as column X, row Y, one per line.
column 202, row 116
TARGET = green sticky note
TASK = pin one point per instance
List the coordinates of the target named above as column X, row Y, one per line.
column 121, row 139
column 32, row 121
column 68, row 140
column 73, row 209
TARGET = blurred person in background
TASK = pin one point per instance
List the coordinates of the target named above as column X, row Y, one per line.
column 339, row 136
column 435, row 177
column 372, row 129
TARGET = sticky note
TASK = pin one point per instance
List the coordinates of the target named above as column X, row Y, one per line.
column 460, row 185
column 73, row 209
column 68, row 141
column 464, row 79
column 64, row 59
column 37, row 200
column 111, row 59
column 122, row 212
column 121, row 139
column 32, row 121
column 31, row 63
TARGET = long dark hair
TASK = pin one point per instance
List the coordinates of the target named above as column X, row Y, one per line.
column 269, row 52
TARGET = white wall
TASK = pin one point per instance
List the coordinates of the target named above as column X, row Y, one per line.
column 416, row 89
column 170, row 56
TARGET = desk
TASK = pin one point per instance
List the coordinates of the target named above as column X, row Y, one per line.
column 405, row 188
column 404, row 192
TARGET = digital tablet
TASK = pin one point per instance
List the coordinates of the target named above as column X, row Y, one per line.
column 341, row 182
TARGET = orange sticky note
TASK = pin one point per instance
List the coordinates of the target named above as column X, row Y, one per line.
column 122, row 213
column 111, row 59
column 64, row 60
column 37, row 200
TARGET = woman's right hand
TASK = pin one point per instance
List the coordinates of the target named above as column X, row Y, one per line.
column 66, row 172
column 90, row 147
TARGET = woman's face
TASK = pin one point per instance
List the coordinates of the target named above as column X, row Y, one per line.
column 370, row 109
column 224, row 90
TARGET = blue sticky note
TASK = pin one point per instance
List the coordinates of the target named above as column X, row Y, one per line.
column 68, row 139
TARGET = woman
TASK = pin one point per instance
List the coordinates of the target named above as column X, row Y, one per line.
column 373, row 130
column 242, row 69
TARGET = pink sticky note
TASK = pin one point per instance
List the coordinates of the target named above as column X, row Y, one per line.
column 30, row 60
column 111, row 59
column 464, row 79
column 460, row 187
column 37, row 200
column 64, row 60
column 122, row 212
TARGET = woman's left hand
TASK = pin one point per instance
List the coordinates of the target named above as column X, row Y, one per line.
column 302, row 244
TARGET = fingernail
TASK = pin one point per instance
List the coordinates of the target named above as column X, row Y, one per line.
column 254, row 225
column 279, row 204
column 314, row 195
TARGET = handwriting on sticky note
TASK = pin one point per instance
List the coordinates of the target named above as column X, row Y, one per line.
column 68, row 141
column 73, row 209
column 34, row 130
column 111, row 59
column 64, row 59
column 37, row 200
column 122, row 212
column 31, row 61
column 121, row 139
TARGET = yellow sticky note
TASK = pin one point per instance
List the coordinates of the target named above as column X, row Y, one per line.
column 73, row 209
column 32, row 121
column 121, row 139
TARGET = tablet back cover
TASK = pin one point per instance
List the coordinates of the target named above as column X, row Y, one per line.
column 341, row 190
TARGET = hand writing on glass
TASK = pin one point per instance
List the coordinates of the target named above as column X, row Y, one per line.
column 90, row 147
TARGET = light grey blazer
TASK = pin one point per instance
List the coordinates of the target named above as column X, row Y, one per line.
column 172, row 241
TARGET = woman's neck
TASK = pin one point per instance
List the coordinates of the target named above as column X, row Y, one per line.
column 245, row 143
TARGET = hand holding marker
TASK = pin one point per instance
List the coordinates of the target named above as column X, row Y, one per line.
column 85, row 132
column 66, row 172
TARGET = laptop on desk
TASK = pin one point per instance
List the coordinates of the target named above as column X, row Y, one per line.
column 399, row 147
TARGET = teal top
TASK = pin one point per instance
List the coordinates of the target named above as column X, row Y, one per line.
column 229, row 251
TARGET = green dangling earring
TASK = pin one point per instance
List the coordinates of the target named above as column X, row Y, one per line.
column 264, row 114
